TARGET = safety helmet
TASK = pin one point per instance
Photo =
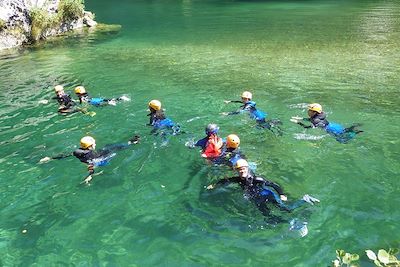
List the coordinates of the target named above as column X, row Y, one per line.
column 241, row 163
column 155, row 104
column 212, row 128
column 58, row 88
column 247, row 94
column 232, row 141
column 80, row 90
column 315, row 107
column 87, row 142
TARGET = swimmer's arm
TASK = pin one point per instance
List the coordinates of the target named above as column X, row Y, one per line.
column 304, row 126
column 275, row 186
column 224, row 181
column 89, row 177
column 61, row 156
column 232, row 101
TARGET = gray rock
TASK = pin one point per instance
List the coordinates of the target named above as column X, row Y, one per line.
column 17, row 30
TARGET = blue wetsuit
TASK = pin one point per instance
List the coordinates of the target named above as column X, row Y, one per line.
column 341, row 134
column 95, row 101
column 262, row 191
column 229, row 156
column 161, row 123
column 259, row 116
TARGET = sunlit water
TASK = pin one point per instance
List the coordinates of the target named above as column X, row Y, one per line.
column 149, row 206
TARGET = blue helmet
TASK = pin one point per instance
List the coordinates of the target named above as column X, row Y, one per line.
column 212, row 128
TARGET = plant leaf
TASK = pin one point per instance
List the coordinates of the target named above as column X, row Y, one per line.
column 340, row 252
column 371, row 255
column 354, row 257
column 383, row 256
column 377, row 263
column 347, row 258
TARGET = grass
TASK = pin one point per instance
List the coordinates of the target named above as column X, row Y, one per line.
column 2, row 24
column 68, row 10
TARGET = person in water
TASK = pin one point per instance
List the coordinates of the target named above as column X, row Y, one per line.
column 212, row 144
column 230, row 152
column 317, row 119
column 67, row 104
column 249, row 107
column 161, row 124
column 84, row 97
column 262, row 191
column 88, row 154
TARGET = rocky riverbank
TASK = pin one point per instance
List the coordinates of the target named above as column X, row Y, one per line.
column 27, row 21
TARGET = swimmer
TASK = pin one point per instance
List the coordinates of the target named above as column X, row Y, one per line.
column 84, row 97
column 211, row 145
column 161, row 124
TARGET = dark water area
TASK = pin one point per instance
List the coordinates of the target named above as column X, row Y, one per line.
column 149, row 207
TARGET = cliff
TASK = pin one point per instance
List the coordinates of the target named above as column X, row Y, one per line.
column 26, row 21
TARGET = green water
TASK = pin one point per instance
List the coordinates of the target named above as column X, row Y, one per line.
column 149, row 207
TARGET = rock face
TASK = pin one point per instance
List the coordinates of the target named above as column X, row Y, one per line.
column 16, row 21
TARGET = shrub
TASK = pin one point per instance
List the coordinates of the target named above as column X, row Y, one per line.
column 69, row 10
column 41, row 21
column 2, row 24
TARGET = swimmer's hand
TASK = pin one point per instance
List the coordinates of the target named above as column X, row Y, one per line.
column 283, row 197
column 227, row 101
column 190, row 144
column 297, row 118
column 311, row 200
column 210, row 187
column 124, row 98
column 112, row 102
column 224, row 113
column 134, row 140
column 44, row 160
column 87, row 179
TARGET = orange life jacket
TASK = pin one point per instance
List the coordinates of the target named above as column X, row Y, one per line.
column 213, row 147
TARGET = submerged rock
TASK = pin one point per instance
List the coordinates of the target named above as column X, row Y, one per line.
column 26, row 21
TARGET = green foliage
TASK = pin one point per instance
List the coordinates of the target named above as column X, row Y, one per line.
column 383, row 259
column 69, row 10
column 41, row 20
column 345, row 259
column 2, row 24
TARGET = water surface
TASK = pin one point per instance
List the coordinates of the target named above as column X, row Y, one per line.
column 149, row 207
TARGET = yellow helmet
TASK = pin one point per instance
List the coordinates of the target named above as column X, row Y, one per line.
column 232, row 141
column 58, row 88
column 247, row 94
column 315, row 107
column 87, row 142
column 80, row 90
column 155, row 104
column 241, row 163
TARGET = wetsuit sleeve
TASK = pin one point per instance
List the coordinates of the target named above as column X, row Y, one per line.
column 227, row 181
column 265, row 182
column 303, row 125
column 202, row 142
column 235, row 101
column 61, row 156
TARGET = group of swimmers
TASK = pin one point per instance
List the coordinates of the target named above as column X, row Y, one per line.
column 215, row 149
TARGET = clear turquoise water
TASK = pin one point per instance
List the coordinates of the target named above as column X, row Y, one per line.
column 149, row 207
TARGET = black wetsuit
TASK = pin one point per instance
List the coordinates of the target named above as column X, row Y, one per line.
column 259, row 116
column 100, row 157
column 229, row 156
column 341, row 134
column 66, row 104
column 318, row 120
column 64, row 100
column 156, row 115
column 262, row 191
column 248, row 106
